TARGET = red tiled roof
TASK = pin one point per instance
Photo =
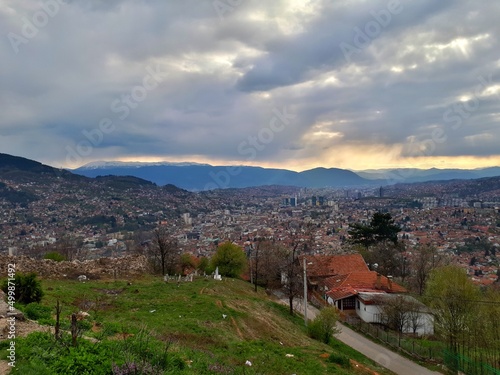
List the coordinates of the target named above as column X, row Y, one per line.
column 358, row 281
column 329, row 265
column 341, row 293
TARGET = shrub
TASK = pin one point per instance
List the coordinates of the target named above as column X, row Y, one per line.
column 26, row 287
column 84, row 325
column 340, row 359
column 54, row 255
column 323, row 326
column 230, row 259
column 85, row 359
column 110, row 328
column 47, row 322
column 35, row 311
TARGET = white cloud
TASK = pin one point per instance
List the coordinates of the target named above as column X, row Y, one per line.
column 223, row 78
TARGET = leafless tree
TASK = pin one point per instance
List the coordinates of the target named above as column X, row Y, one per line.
column 164, row 251
column 394, row 310
column 68, row 247
column 414, row 313
column 300, row 240
column 426, row 259
column 388, row 257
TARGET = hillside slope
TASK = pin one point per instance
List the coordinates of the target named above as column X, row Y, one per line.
column 214, row 327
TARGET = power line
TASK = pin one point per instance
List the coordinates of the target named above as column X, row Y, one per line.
column 457, row 299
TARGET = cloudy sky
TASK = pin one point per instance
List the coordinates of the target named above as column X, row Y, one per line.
column 354, row 84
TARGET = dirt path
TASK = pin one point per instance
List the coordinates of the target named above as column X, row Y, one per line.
column 237, row 328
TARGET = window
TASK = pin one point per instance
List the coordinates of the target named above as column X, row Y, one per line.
column 349, row 303
column 357, row 301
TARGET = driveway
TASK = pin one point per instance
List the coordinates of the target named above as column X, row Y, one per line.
column 378, row 353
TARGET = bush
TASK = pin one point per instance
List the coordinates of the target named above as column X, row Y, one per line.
column 340, row 359
column 84, row 325
column 230, row 259
column 323, row 326
column 59, row 357
column 54, row 255
column 26, row 288
column 110, row 328
column 35, row 311
column 47, row 322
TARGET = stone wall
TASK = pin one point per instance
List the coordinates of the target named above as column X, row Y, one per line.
column 129, row 266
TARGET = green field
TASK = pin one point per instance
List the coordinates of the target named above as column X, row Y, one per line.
column 199, row 327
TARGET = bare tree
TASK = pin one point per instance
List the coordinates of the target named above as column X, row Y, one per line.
column 300, row 239
column 68, row 247
column 164, row 251
column 291, row 280
column 388, row 257
column 267, row 263
column 414, row 314
column 427, row 258
column 395, row 310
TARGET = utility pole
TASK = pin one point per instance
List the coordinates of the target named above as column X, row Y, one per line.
column 305, row 291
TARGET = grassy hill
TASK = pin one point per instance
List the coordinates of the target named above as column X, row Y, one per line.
column 200, row 327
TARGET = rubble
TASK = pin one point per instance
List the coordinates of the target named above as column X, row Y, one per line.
column 128, row 266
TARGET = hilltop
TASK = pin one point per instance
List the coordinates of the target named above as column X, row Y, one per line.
column 211, row 326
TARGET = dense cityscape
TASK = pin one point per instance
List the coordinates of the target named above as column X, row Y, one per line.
column 114, row 216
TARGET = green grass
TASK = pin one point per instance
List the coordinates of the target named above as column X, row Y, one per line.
column 138, row 320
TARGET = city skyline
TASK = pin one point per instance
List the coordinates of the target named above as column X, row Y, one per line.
column 287, row 84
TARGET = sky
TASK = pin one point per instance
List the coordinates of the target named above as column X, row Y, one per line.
column 357, row 84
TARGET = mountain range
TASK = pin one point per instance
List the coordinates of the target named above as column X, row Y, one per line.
column 409, row 175
column 198, row 177
column 195, row 177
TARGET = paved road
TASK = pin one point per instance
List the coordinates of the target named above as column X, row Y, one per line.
column 383, row 356
column 380, row 354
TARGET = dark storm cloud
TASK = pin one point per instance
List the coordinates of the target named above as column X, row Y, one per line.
column 221, row 77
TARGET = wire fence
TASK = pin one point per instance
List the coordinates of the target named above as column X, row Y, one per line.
column 430, row 351
column 457, row 362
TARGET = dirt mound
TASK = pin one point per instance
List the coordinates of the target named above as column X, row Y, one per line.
column 129, row 266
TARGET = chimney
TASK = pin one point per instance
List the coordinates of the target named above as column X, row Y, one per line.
column 377, row 286
column 389, row 279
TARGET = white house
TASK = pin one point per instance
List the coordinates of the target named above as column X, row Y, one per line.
column 417, row 319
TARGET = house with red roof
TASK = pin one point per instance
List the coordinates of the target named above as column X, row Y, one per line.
column 346, row 282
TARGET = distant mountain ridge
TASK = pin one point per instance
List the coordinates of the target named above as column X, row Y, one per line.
column 409, row 175
column 20, row 169
column 126, row 164
column 198, row 177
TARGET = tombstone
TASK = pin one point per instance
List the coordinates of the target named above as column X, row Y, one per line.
column 82, row 278
column 165, row 278
column 217, row 276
